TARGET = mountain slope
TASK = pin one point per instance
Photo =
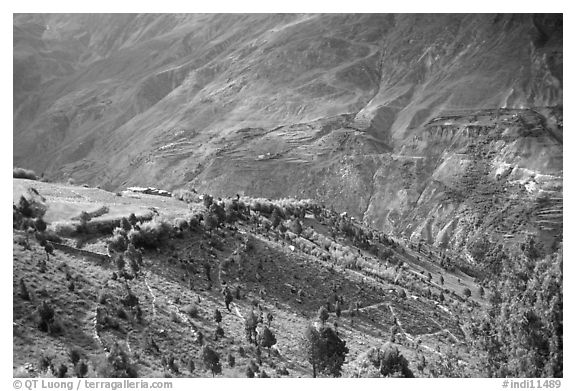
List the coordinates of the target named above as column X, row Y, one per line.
column 339, row 108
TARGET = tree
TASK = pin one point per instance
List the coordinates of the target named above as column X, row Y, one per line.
column 81, row 369
column 323, row 314
column 481, row 292
column 275, row 218
column 210, row 221
column 325, row 351
column 125, row 224
column 267, row 339
column 249, row 372
column 218, row 212
column 338, row 309
column 441, row 280
column 466, row 292
column 207, row 200
column 46, row 314
column 49, row 249
column 132, row 219
column 24, row 290
column 296, row 227
column 218, row 333
column 250, row 324
column 120, row 262
column 119, row 364
column 211, row 360
column 390, row 362
column 217, row 316
column 269, row 318
column 39, row 224
column 84, row 219
column 191, row 365
column 133, row 254
column 231, row 360
column 522, row 332
column 227, row 298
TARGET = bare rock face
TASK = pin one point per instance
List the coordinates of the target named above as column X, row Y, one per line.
column 443, row 128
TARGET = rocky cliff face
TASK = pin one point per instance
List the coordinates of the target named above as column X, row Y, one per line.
column 446, row 128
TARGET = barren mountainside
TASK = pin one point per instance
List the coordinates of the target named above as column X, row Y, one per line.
column 446, row 128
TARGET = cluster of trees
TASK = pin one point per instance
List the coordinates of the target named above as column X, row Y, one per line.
column 325, row 351
column 522, row 331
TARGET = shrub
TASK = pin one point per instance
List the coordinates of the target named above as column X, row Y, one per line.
column 23, row 173
column 168, row 362
column 24, row 290
column 180, row 224
column 267, row 339
column 231, row 360
column 191, row 310
column 129, row 299
column 46, row 316
column 296, row 227
column 392, row 363
column 62, row 370
column 118, row 243
column 186, row 196
column 81, row 369
column 466, row 292
column 211, row 360
column 152, row 234
column 325, row 351
column 74, row 355
column 323, row 314
column 218, row 333
column 117, row 364
column 64, row 228
column 191, row 366
column 207, row 200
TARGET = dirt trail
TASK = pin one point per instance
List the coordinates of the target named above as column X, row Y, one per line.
column 95, row 330
column 238, row 311
column 153, row 296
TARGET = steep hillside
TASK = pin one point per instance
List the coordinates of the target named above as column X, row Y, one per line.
column 394, row 118
column 161, row 307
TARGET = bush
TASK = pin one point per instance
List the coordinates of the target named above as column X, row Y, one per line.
column 186, row 196
column 191, row 365
column 118, row 243
column 24, row 291
column 81, row 369
column 231, row 360
column 218, row 333
column 392, row 363
column 191, row 310
column 46, row 317
column 211, row 360
column 117, row 364
column 23, row 173
column 151, row 234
